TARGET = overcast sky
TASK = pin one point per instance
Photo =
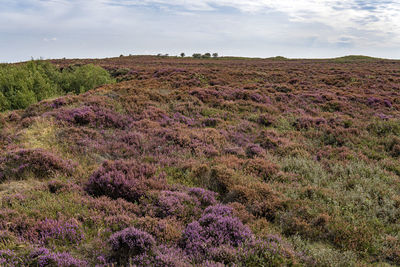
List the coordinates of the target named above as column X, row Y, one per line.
column 255, row 28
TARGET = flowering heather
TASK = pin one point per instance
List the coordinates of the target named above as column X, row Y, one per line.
column 38, row 161
column 215, row 228
column 132, row 139
column 210, row 263
column 43, row 257
column 123, row 179
column 254, row 150
column 235, row 151
column 219, row 210
column 215, row 94
column 183, row 119
column 163, row 256
column 130, row 242
column 10, row 258
column 166, row 72
column 93, row 116
column 183, row 204
column 59, row 102
column 172, row 203
column 258, row 98
column 174, row 166
column 206, row 197
column 59, row 231
column 387, row 103
column 237, row 138
column 308, row 122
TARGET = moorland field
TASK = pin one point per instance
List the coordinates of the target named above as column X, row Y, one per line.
column 200, row 162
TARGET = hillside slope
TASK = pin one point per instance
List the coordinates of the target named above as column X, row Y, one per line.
column 207, row 162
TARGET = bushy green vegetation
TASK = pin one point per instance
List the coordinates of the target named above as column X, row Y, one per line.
column 205, row 55
column 25, row 84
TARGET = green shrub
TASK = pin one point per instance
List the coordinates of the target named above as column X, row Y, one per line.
column 84, row 78
column 4, row 103
column 23, row 99
column 25, row 84
column 384, row 128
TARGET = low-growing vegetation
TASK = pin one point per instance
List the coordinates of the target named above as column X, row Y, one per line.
column 193, row 162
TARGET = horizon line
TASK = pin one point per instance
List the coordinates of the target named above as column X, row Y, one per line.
column 166, row 55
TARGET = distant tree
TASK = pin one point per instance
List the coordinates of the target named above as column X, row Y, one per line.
column 196, row 55
column 121, row 55
column 182, row 54
column 206, row 55
column 166, row 55
column 215, row 55
column 159, row 55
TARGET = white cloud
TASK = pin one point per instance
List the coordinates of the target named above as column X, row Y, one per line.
column 299, row 28
column 52, row 39
column 378, row 18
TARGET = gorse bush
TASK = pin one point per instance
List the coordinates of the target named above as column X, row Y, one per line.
column 25, row 84
column 83, row 78
column 22, row 85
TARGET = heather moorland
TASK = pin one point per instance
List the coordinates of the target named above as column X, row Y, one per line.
column 166, row 161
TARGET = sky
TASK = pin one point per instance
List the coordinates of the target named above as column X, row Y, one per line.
column 253, row 28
